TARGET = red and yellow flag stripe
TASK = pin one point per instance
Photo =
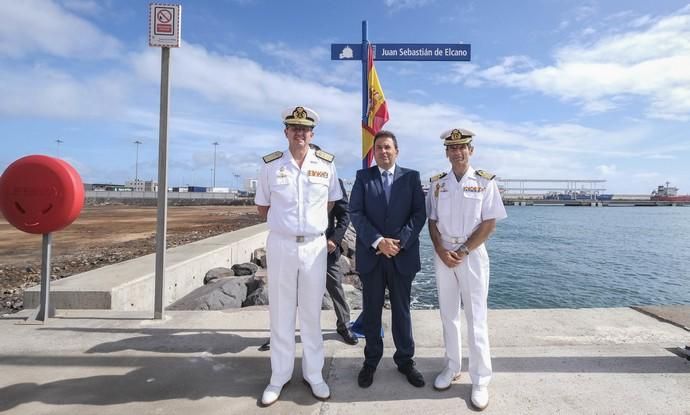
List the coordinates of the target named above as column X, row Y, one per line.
column 377, row 112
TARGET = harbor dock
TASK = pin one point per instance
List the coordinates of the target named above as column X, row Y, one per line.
column 566, row 361
column 623, row 202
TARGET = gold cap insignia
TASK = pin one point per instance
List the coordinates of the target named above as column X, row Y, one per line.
column 457, row 136
column 300, row 116
column 299, row 113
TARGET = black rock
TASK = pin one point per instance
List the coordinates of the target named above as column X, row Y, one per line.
column 245, row 269
column 258, row 297
column 259, row 257
column 217, row 273
column 326, row 302
column 218, row 295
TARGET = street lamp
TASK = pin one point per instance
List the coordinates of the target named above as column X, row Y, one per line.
column 215, row 146
column 58, row 141
column 237, row 181
column 136, row 163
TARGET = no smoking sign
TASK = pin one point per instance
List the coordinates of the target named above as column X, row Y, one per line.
column 164, row 19
column 164, row 25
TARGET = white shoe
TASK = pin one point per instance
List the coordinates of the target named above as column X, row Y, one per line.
column 271, row 395
column 444, row 379
column 480, row 396
column 321, row 391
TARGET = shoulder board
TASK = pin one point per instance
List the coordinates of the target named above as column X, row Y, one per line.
column 438, row 177
column 485, row 174
column 273, row 156
column 324, row 156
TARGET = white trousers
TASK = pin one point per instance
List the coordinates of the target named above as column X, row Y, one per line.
column 466, row 286
column 296, row 281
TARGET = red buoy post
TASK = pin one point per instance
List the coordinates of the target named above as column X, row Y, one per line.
column 40, row 195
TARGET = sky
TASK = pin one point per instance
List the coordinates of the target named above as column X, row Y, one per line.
column 555, row 89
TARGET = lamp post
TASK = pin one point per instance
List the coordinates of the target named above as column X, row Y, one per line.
column 215, row 146
column 58, row 141
column 237, row 181
column 136, row 163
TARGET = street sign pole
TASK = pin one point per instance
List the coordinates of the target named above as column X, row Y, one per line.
column 162, row 222
column 365, row 84
column 165, row 32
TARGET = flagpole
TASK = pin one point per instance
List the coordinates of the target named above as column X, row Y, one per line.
column 365, row 80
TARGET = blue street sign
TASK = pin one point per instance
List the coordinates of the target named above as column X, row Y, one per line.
column 404, row 51
column 346, row 51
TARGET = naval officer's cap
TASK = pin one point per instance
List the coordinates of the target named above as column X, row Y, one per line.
column 300, row 116
column 457, row 136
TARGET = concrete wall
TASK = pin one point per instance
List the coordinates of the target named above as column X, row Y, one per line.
column 93, row 197
column 129, row 285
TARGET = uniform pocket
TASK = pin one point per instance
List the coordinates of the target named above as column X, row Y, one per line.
column 472, row 195
column 318, row 189
column 319, row 180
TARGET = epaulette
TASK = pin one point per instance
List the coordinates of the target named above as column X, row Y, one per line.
column 438, row 177
column 485, row 174
column 325, row 156
column 273, row 156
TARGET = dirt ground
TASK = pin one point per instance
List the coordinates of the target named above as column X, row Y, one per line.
column 104, row 235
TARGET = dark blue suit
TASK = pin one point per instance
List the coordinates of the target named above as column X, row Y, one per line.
column 402, row 218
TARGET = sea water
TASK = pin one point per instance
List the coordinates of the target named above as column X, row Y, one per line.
column 576, row 257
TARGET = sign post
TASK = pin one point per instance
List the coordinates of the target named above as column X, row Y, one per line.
column 395, row 52
column 164, row 32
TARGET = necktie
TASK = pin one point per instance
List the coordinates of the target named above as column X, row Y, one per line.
column 387, row 184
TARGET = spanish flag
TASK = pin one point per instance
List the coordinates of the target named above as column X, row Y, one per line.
column 377, row 112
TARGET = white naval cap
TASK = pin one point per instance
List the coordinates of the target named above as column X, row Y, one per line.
column 300, row 116
column 456, row 136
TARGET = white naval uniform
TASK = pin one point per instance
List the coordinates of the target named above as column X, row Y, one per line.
column 296, row 257
column 459, row 209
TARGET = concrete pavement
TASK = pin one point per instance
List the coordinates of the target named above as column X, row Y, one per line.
column 608, row 361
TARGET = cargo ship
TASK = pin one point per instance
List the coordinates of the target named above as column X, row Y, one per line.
column 668, row 194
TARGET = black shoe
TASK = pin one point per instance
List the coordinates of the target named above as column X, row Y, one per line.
column 347, row 336
column 413, row 376
column 366, row 376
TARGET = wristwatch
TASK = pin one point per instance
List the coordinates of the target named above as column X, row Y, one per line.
column 464, row 249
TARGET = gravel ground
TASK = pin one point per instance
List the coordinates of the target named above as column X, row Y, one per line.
column 105, row 235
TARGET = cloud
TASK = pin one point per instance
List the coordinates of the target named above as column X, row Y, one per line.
column 396, row 5
column 88, row 7
column 39, row 91
column 607, row 169
column 62, row 34
column 584, row 12
column 241, row 84
column 307, row 64
column 235, row 100
column 419, row 92
column 603, row 75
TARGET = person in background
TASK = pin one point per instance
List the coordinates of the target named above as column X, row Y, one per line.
column 338, row 221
